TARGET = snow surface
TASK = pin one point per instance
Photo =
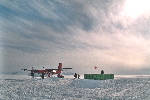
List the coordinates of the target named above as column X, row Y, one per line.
column 21, row 87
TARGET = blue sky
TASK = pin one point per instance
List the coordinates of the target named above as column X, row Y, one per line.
column 113, row 35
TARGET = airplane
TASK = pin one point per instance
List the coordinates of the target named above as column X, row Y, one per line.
column 49, row 72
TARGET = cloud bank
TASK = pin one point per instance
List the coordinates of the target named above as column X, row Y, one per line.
column 80, row 34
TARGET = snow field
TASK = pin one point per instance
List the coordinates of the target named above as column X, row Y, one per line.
column 137, row 88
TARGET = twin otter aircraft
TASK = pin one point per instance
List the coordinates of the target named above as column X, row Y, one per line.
column 48, row 72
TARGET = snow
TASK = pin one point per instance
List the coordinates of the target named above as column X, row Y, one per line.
column 23, row 87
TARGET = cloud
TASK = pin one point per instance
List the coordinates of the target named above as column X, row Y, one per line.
column 81, row 34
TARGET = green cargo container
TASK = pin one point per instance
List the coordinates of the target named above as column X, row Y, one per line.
column 94, row 76
column 112, row 76
column 108, row 76
column 99, row 76
column 87, row 76
column 84, row 76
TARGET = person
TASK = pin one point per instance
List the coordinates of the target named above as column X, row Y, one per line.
column 42, row 76
column 78, row 76
column 102, row 72
column 75, row 75
column 58, row 75
column 48, row 74
column 32, row 74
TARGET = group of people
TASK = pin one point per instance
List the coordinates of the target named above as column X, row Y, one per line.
column 76, row 76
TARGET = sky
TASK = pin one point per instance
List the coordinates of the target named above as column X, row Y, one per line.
column 113, row 35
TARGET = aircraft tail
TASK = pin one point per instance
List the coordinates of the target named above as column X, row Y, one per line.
column 60, row 68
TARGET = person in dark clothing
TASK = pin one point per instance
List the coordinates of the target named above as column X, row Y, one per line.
column 102, row 72
column 75, row 75
column 42, row 76
column 32, row 74
column 78, row 76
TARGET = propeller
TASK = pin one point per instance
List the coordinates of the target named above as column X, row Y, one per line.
column 24, row 69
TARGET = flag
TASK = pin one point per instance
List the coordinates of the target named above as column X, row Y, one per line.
column 95, row 67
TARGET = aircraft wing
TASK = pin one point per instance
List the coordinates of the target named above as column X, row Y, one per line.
column 66, row 68
column 52, row 69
